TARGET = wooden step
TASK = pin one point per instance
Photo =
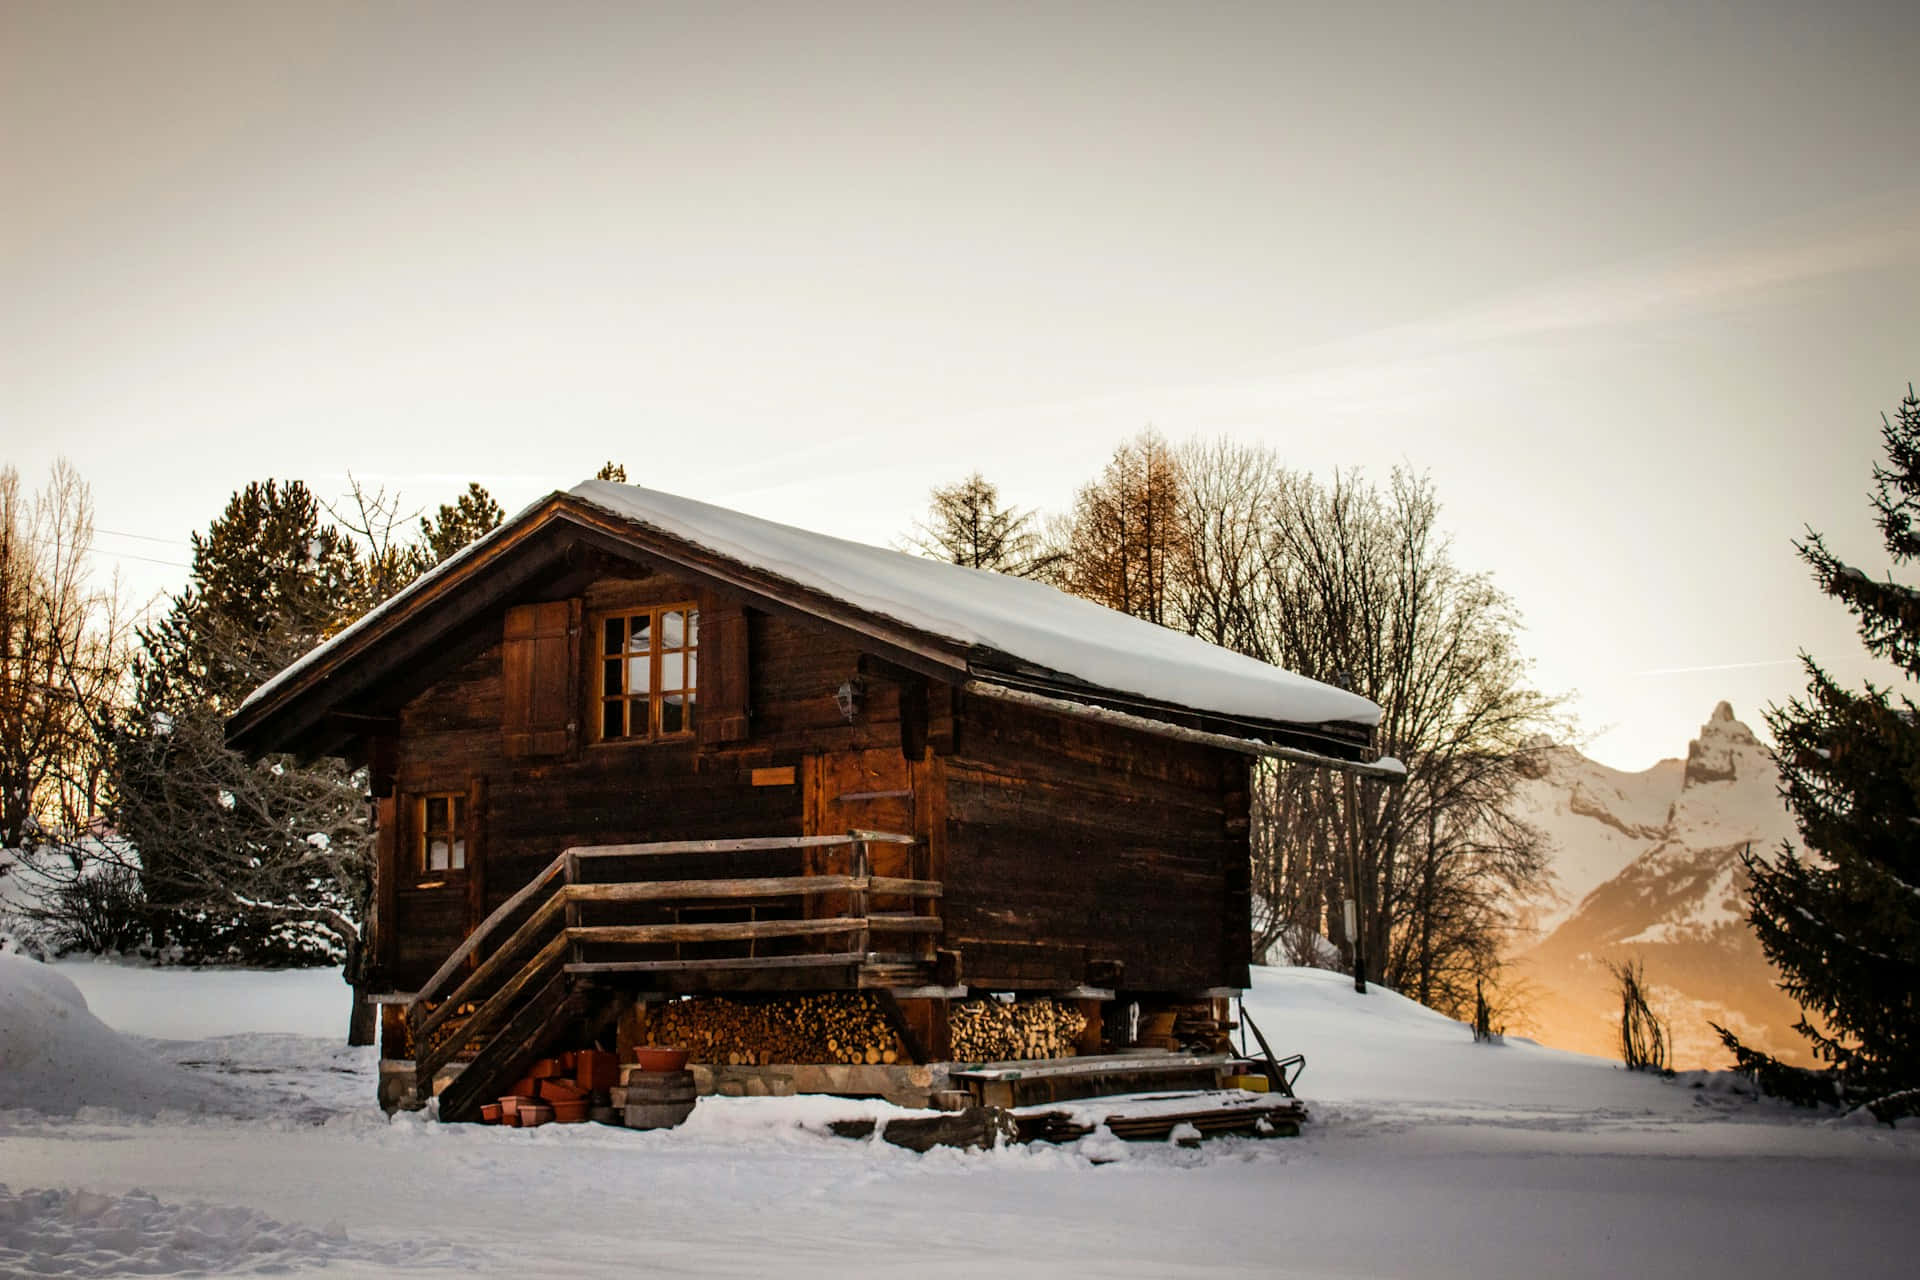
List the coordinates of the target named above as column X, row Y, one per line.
column 1018, row 1084
column 518, row 1045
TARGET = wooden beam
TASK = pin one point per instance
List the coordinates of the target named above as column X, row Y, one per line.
column 723, row 931
column 712, row 965
column 745, row 844
column 479, row 935
column 503, row 956
column 896, row 922
column 1391, row 772
column 897, row 887
column 428, row 1061
column 669, row 890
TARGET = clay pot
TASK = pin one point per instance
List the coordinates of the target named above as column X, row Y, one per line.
column 650, row 1058
column 489, row 1113
column 534, row 1114
column 557, row 1089
column 570, row 1111
column 510, row 1106
column 595, row 1070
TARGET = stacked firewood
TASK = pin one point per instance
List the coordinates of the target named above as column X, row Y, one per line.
column 843, row 1027
column 1191, row 1026
column 989, row 1031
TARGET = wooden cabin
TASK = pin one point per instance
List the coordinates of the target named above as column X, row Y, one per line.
column 631, row 747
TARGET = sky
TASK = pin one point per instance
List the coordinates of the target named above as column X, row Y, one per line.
column 1632, row 283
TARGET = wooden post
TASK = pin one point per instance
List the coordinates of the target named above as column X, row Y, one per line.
column 858, row 897
column 1359, row 897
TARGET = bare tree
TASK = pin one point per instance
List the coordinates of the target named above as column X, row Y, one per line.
column 968, row 524
column 1126, row 534
column 1643, row 1038
column 1354, row 585
column 63, row 655
column 1365, row 594
column 385, row 558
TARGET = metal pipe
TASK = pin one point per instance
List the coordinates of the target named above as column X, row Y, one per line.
column 1386, row 770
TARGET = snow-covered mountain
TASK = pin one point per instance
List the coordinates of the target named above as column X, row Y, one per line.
column 1648, row 867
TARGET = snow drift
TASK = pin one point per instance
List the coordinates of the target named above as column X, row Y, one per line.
column 56, row 1057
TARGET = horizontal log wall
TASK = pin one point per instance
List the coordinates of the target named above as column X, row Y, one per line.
column 617, row 792
column 1070, row 842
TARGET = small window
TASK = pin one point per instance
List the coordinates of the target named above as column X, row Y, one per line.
column 443, row 834
column 649, row 668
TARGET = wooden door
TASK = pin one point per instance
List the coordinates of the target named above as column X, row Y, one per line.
column 868, row 790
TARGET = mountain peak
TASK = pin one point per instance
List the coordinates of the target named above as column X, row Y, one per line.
column 1714, row 755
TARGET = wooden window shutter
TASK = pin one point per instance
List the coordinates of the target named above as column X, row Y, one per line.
column 723, row 698
column 540, row 657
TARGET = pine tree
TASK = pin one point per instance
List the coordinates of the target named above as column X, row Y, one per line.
column 1842, row 923
column 472, row 515
column 257, row 862
column 968, row 524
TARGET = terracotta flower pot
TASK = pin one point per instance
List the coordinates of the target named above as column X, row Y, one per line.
column 557, row 1089
column 650, row 1058
column 596, row 1070
column 489, row 1113
column 534, row 1114
column 510, row 1106
column 570, row 1111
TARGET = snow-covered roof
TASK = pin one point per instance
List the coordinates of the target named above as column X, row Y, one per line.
column 1028, row 621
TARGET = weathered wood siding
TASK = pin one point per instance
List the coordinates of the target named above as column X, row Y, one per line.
column 1062, row 844
column 612, row 793
column 1070, row 843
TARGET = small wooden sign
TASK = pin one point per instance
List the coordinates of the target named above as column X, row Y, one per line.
column 780, row 777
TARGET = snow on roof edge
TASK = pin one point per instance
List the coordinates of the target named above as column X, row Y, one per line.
column 287, row 673
column 1031, row 621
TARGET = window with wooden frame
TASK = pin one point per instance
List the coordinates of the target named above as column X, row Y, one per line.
column 441, row 848
column 648, row 667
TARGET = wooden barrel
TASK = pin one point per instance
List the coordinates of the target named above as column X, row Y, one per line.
column 659, row 1099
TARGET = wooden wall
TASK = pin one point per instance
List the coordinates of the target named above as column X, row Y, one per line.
column 1063, row 844
column 1070, row 842
column 619, row 792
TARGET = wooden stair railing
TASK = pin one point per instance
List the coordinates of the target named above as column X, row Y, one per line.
column 531, row 964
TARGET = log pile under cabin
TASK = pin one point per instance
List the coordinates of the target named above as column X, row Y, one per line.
column 989, row 1031
column 834, row 1026
column 852, row 1028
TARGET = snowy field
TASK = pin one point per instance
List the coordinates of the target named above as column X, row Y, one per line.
column 210, row 1122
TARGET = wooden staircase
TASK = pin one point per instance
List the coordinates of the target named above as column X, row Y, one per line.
column 570, row 942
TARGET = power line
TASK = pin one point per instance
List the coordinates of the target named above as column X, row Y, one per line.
column 128, row 555
column 144, row 537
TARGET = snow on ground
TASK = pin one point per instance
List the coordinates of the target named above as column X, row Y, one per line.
column 1427, row 1155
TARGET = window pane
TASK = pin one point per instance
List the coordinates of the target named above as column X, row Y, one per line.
column 673, row 666
column 672, row 714
column 642, row 638
column 693, row 628
column 616, row 637
column 436, row 813
column 693, row 663
column 459, row 812
column 610, row 677
column 639, row 675
column 612, row 721
column 436, row 855
column 673, row 629
column 459, row 854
